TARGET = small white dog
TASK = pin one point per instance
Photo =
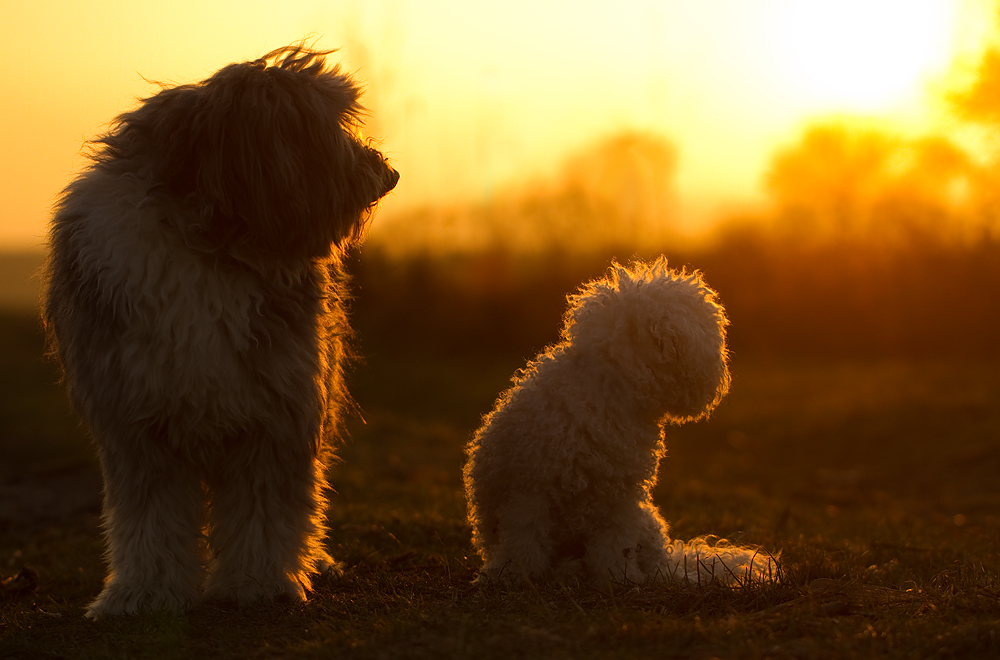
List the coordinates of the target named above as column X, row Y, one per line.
column 196, row 302
column 558, row 477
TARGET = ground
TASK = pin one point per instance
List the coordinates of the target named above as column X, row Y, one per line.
column 876, row 480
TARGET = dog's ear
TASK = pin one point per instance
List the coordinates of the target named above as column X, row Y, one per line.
column 267, row 155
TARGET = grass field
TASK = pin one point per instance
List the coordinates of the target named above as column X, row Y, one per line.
column 877, row 481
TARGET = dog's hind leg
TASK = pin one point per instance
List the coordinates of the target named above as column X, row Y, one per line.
column 266, row 522
column 628, row 547
column 153, row 517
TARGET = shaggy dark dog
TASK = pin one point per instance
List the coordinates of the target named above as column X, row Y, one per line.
column 196, row 302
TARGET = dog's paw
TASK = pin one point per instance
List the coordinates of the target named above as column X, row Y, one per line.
column 119, row 599
column 327, row 567
column 500, row 577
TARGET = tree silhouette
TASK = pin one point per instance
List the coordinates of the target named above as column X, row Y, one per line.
column 826, row 182
column 980, row 101
column 845, row 179
column 619, row 191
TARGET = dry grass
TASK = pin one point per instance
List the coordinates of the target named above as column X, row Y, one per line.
column 876, row 481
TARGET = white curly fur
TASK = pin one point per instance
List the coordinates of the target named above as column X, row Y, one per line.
column 558, row 477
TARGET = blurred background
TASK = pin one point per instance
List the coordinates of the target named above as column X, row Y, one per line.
column 831, row 166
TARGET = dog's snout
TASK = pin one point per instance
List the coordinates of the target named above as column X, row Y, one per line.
column 386, row 182
column 392, row 179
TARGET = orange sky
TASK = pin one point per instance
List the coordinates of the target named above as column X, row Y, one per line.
column 471, row 99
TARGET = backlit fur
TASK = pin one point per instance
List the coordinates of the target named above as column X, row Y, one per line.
column 196, row 301
column 558, row 477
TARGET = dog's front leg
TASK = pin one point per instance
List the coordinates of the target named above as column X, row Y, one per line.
column 266, row 521
column 153, row 517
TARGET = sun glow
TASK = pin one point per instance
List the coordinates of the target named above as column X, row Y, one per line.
column 861, row 55
column 471, row 100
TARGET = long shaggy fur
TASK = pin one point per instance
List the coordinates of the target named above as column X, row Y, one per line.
column 558, row 477
column 196, row 303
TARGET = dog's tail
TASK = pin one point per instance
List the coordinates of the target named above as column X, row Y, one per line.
column 707, row 559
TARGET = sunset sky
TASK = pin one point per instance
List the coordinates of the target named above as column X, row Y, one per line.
column 471, row 100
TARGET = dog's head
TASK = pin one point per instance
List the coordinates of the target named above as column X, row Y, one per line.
column 662, row 331
column 265, row 156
